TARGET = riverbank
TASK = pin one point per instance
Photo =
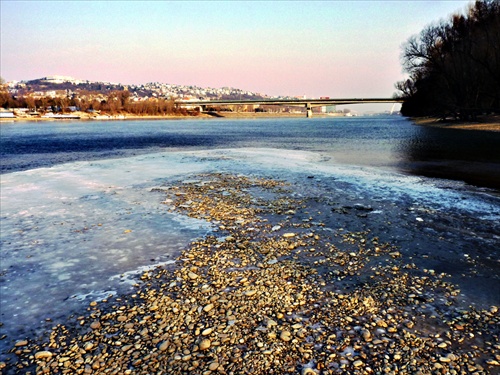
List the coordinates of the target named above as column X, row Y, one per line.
column 283, row 286
column 84, row 116
column 486, row 123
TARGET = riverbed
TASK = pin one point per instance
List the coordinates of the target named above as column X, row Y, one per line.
column 84, row 214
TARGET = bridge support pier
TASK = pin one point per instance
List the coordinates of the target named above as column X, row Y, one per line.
column 309, row 111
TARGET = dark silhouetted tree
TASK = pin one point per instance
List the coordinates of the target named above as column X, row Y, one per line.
column 454, row 66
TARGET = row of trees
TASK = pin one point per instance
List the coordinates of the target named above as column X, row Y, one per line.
column 115, row 103
column 454, row 66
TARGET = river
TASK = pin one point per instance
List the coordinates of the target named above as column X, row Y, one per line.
column 80, row 219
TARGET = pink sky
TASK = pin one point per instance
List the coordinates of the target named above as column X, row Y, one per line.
column 314, row 48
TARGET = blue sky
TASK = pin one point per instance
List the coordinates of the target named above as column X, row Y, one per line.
column 313, row 48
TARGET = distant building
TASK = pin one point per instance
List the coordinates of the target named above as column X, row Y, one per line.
column 7, row 114
column 60, row 79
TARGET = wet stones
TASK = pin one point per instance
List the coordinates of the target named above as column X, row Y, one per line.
column 21, row 343
column 44, row 354
column 205, row 344
column 261, row 301
column 285, row 335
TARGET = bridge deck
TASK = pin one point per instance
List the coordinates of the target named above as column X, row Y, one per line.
column 301, row 102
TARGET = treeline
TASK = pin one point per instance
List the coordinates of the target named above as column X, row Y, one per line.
column 116, row 102
column 454, row 66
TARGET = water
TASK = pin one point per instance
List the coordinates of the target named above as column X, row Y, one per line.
column 388, row 142
column 79, row 219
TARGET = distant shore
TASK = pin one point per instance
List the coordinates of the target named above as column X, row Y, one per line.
column 84, row 116
column 486, row 123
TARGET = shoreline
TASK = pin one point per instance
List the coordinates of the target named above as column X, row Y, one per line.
column 205, row 115
column 488, row 123
column 257, row 296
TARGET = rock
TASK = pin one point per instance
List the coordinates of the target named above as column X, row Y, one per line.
column 271, row 323
column 205, row 344
column 361, row 207
column 358, row 363
column 289, row 235
column 192, row 275
column 207, row 331
column 285, row 335
column 213, row 366
column 308, row 371
column 164, row 346
column 44, row 354
column 208, row 307
column 21, row 343
column 95, row 325
column 366, row 335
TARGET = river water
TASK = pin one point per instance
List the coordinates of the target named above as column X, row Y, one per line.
column 80, row 219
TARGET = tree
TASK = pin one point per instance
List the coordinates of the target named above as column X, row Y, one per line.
column 454, row 66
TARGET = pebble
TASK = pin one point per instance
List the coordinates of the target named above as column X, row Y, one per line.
column 213, row 366
column 285, row 335
column 308, row 371
column 205, row 344
column 164, row 346
column 300, row 319
column 207, row 331
column 208, row 307
column 44, row 354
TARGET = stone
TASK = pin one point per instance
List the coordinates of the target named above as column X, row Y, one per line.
column 208, row 307
column 205, row 344
column 213, row 366
column 164, row 346
column 285, row 335
column 207, row 331
column 44, row 354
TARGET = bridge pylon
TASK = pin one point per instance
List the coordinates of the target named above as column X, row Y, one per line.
column 309, row 111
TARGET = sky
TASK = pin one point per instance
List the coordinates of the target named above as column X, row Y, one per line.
column 340, row 49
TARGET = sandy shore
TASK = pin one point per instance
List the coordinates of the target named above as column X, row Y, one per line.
column 490, row 123
column 273, row 293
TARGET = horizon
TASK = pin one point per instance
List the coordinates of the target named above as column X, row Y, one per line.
column 284, row 48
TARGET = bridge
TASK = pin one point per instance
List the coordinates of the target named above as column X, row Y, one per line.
column 307, row 103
